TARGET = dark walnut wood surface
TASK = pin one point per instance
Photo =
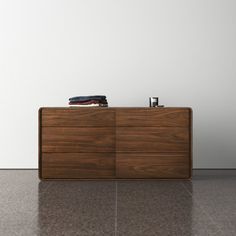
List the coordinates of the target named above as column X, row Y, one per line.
column 112, row 143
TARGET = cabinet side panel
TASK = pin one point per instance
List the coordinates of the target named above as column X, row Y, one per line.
column 190, row 142
column 40, row 143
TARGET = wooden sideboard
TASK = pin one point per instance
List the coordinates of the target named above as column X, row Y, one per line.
column 115, row 143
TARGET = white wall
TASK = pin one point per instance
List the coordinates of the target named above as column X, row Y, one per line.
column 183, row 51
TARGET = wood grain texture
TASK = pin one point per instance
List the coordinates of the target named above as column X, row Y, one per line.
column 78, row 139
column 153, row 117
column 78, row 165
column 152, row 165
column 191, row 143
column 78, row 117
column 115, row 143
column 152, row 139
column 40, row 143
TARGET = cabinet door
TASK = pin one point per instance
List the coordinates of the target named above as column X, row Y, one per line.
column 78, row 165
column 76, row 143
column 78, row 139
column 153, row 143
column 153, row 117
column 78, row 117
column 152, row 139
column 152, row 165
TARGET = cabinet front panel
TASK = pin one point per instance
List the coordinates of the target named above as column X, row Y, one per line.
column 78, row 139
column 157, row 117
column 115, row 143
column 152, row 139
column 78, row 117
column 78, row 165
column 152, row 165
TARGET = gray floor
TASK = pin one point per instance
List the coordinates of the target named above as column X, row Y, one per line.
column 204, row 206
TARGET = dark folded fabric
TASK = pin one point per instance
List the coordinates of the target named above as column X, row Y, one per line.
column 98, row 100
column 87, row 102
column 87, row 98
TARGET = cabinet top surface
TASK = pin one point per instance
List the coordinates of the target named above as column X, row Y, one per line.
column 156, row 108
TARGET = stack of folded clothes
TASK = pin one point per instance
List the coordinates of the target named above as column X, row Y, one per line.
column 89, row 101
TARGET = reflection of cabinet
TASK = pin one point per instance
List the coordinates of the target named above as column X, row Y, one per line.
column 115, row 143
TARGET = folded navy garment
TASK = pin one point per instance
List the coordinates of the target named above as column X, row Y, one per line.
column 87, row 98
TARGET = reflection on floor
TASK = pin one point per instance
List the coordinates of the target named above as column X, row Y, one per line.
column 204, row 206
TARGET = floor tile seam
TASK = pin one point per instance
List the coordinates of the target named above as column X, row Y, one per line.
column 116, row 208
column 204, row 211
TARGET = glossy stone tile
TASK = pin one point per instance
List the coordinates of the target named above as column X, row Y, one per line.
column 160, row 208
column 204, row 206
column 77, row 208
column 18, row 201
column 215, row 192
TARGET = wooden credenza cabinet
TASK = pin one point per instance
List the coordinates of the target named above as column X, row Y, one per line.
column 110, row 143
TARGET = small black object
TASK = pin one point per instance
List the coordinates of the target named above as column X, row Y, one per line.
column 153, row 101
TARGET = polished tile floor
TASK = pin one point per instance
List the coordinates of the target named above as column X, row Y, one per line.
column 204, row 206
